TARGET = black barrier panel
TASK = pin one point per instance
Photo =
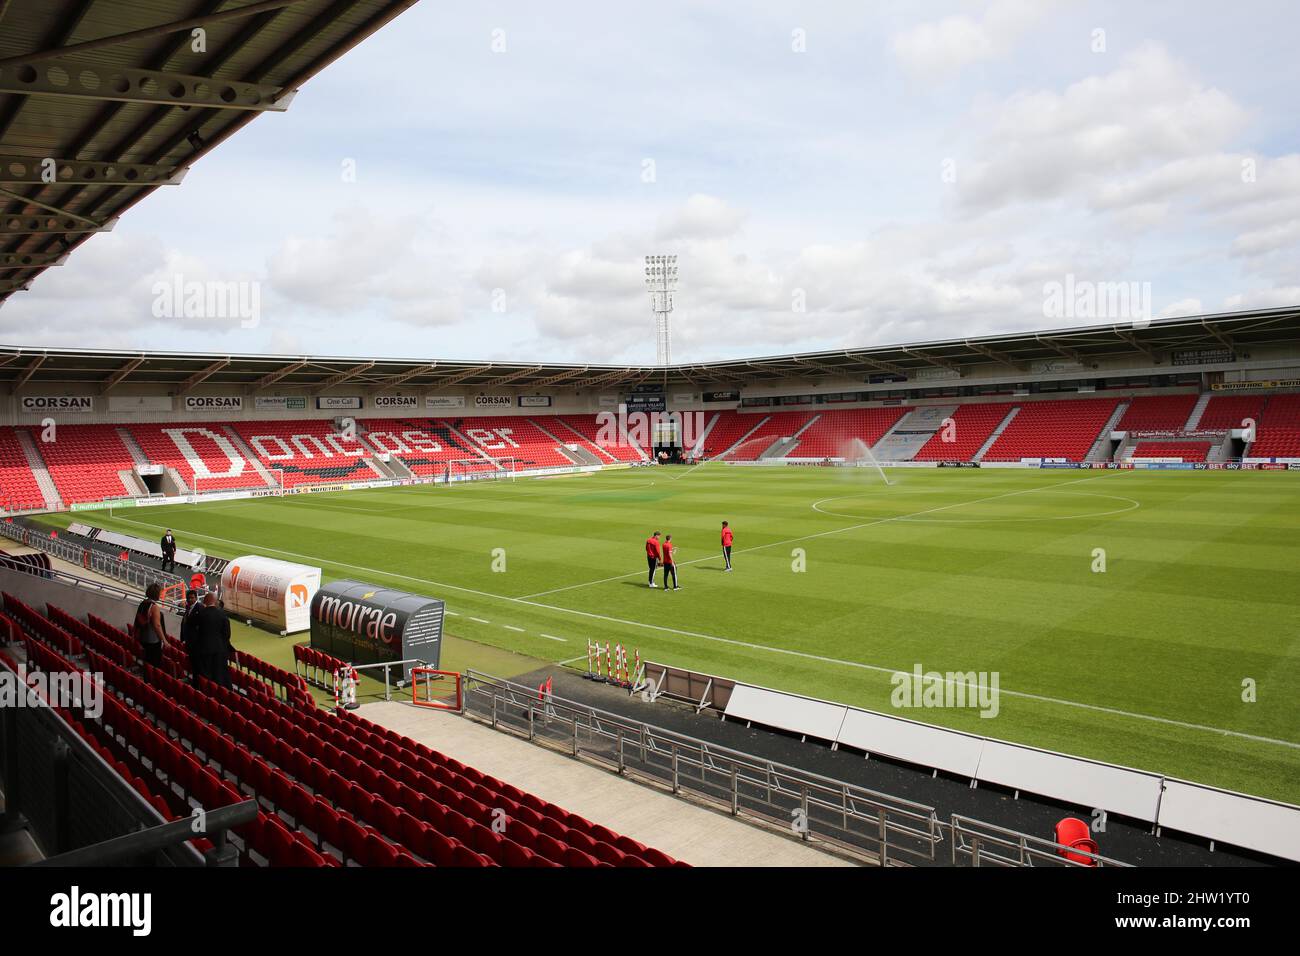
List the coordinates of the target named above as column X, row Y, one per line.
column 367, row 624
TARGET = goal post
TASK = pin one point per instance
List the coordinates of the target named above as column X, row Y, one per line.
column 440, row 690
column 479, row 469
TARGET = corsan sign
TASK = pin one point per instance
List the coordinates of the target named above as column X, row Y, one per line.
column 57, row 403
column 206, row 403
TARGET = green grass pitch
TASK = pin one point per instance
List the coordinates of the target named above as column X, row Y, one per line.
column 840, row 579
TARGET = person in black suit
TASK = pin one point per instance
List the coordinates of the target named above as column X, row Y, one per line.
column 168, row 545
column 190, row 631
column 212, row 640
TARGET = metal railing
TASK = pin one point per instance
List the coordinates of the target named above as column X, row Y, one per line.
column 69, row 798
column 388, row 666
column 975, row 843
column 135, row 575
column 883, row 828
column 134, row 846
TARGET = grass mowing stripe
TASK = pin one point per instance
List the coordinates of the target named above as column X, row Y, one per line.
column 1189, row 725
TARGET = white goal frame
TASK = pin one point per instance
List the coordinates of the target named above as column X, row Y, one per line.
column 483, row 470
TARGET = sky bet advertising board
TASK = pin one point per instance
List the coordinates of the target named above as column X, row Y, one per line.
column 367, row 624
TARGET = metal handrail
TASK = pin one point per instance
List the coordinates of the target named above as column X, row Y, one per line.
column 132, row 845
column 117, row 787
column 840, row 813
column 128, row 572
column 989, row 844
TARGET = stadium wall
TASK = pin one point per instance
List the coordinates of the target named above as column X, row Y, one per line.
column 128, row 403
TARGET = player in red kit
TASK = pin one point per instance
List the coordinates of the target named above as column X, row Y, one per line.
column 652, row 554
column 726, row 544
column 670, row 563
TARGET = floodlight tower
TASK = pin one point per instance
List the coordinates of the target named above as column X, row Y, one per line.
column 661, row 281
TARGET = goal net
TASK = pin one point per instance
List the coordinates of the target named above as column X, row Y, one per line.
column 479, row 469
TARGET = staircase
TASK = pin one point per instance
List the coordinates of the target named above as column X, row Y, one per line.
column 570, row 450
column 132, row 483
column 39, row 471
column 736, row 444
column 699, row 440
column 399, row 468
column 253, row 461
column 783, row 446
column 471, row 446
column 779, row 449
column 173, row 483
column 1100, row 450
column 997, row 433
column 137, row 453
column 580, row 439
column 911, row 432
column 1198, row 410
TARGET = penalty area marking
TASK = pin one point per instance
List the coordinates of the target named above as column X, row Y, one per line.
column 749, row 645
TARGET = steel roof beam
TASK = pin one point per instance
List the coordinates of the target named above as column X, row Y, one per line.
column 458, row 377
column 28, row 225
column 272, row 377
column 151, row 87
column 26, row 374
column 1137, row 346
column 201, row 376
column 405, row 376
column 1224, row 340
column 58, row 211
column 162, row 29
column 344, row 376
column 513, row 376
column 120, row 375
column 877, row 363
column 995, row 356
column 1061, row 350
column 562, row 377
column 36, row 171
column 9, row 261
column 934, row 360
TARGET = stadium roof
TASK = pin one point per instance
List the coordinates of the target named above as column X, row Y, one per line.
column 103, row 101
column 1089, row 346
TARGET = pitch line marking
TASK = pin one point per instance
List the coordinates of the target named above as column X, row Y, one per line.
column 508, row 627
column 480, row 620
column 819, row 534
column 789, row 652
column 562, row 640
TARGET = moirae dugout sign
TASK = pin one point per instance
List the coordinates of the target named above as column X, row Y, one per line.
column 367, row 624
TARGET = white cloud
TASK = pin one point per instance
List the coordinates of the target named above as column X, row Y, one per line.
column 1043, row 145
column 936, row 50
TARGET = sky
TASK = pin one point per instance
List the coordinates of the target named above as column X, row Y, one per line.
column 484, row 181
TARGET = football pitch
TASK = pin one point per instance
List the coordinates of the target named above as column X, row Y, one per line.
column 1143, row 618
